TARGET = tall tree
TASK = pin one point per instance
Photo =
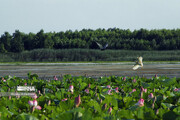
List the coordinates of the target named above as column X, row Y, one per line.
column 16, row 44
column 6, row 40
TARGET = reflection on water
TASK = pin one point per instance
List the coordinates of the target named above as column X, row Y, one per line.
column 90, row 69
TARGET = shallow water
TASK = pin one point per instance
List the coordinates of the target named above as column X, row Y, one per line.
column 48, row 70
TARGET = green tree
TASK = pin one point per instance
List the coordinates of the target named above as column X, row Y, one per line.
column 2, row 48
column 6, row 40
column 16, row 44
column 38, row 41
column 48, row 42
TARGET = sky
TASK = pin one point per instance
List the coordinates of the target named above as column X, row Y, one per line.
column 61, row 15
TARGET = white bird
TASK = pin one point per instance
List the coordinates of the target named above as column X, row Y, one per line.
column 138, row 63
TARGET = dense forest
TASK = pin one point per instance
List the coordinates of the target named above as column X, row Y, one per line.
column 142, row 39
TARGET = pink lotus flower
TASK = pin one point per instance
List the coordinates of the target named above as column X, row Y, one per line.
column 39, row 92
column 140, row 102
column 34, row 96
column 108, row 86
column 30, row 103
column 116, row 89
column 55, row 78
column 25, row 84
column 87, row 91
column 145, row 90
column 3, row 79
column 109, row 92
column 34, row 103
column 177, row 89
column 77, row 101
column 124, row 78
column 150, row 96
column 132, row 91
column 65, row 99
column 71, row 88
column 110, row 110
column 134, row 80
column 38, row 107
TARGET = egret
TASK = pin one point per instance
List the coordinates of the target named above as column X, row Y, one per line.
column 138, row 63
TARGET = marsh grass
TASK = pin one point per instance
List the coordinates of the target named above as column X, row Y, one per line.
column 75, row 55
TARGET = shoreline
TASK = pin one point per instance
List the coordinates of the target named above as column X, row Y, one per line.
column 87, row 63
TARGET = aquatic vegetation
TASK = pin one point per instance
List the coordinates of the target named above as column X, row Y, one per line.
column 113, row 97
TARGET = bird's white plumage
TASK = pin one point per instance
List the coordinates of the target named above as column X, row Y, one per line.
column 138, row 64
column 140, row 60
column 136, row 67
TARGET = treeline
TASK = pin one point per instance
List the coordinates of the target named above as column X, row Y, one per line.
column 53, row 55
column 162, row 39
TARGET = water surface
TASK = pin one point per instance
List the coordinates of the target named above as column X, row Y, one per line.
column 48, row 70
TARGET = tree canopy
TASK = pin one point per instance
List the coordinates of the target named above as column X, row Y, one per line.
column 142, row 39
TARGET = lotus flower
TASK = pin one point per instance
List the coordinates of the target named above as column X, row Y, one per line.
column 140, row 102
column 3, row 79
column 150, row 96
column 132, row 91
column 124, row 78
column 9, row 97
column 34, row 96
column 34, row 104
column 145, row 90
column 109, row 92
column 110, row 110
column 116, row 89
column 87, row 91
column 77, row 101
column 25, row 84
column 55, row 78
column 134, row 80
column 49, row 102
column 71, row 88
column 177, row 89
column 65, row 99
column 39, row 92
column 108, row 86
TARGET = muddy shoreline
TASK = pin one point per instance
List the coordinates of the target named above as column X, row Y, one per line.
column 48, row 70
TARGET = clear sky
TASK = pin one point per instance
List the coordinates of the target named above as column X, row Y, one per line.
column 61, row 15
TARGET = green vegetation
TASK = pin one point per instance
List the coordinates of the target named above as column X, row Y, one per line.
column 163, row 39
column 82, row 98
column 64, row 55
